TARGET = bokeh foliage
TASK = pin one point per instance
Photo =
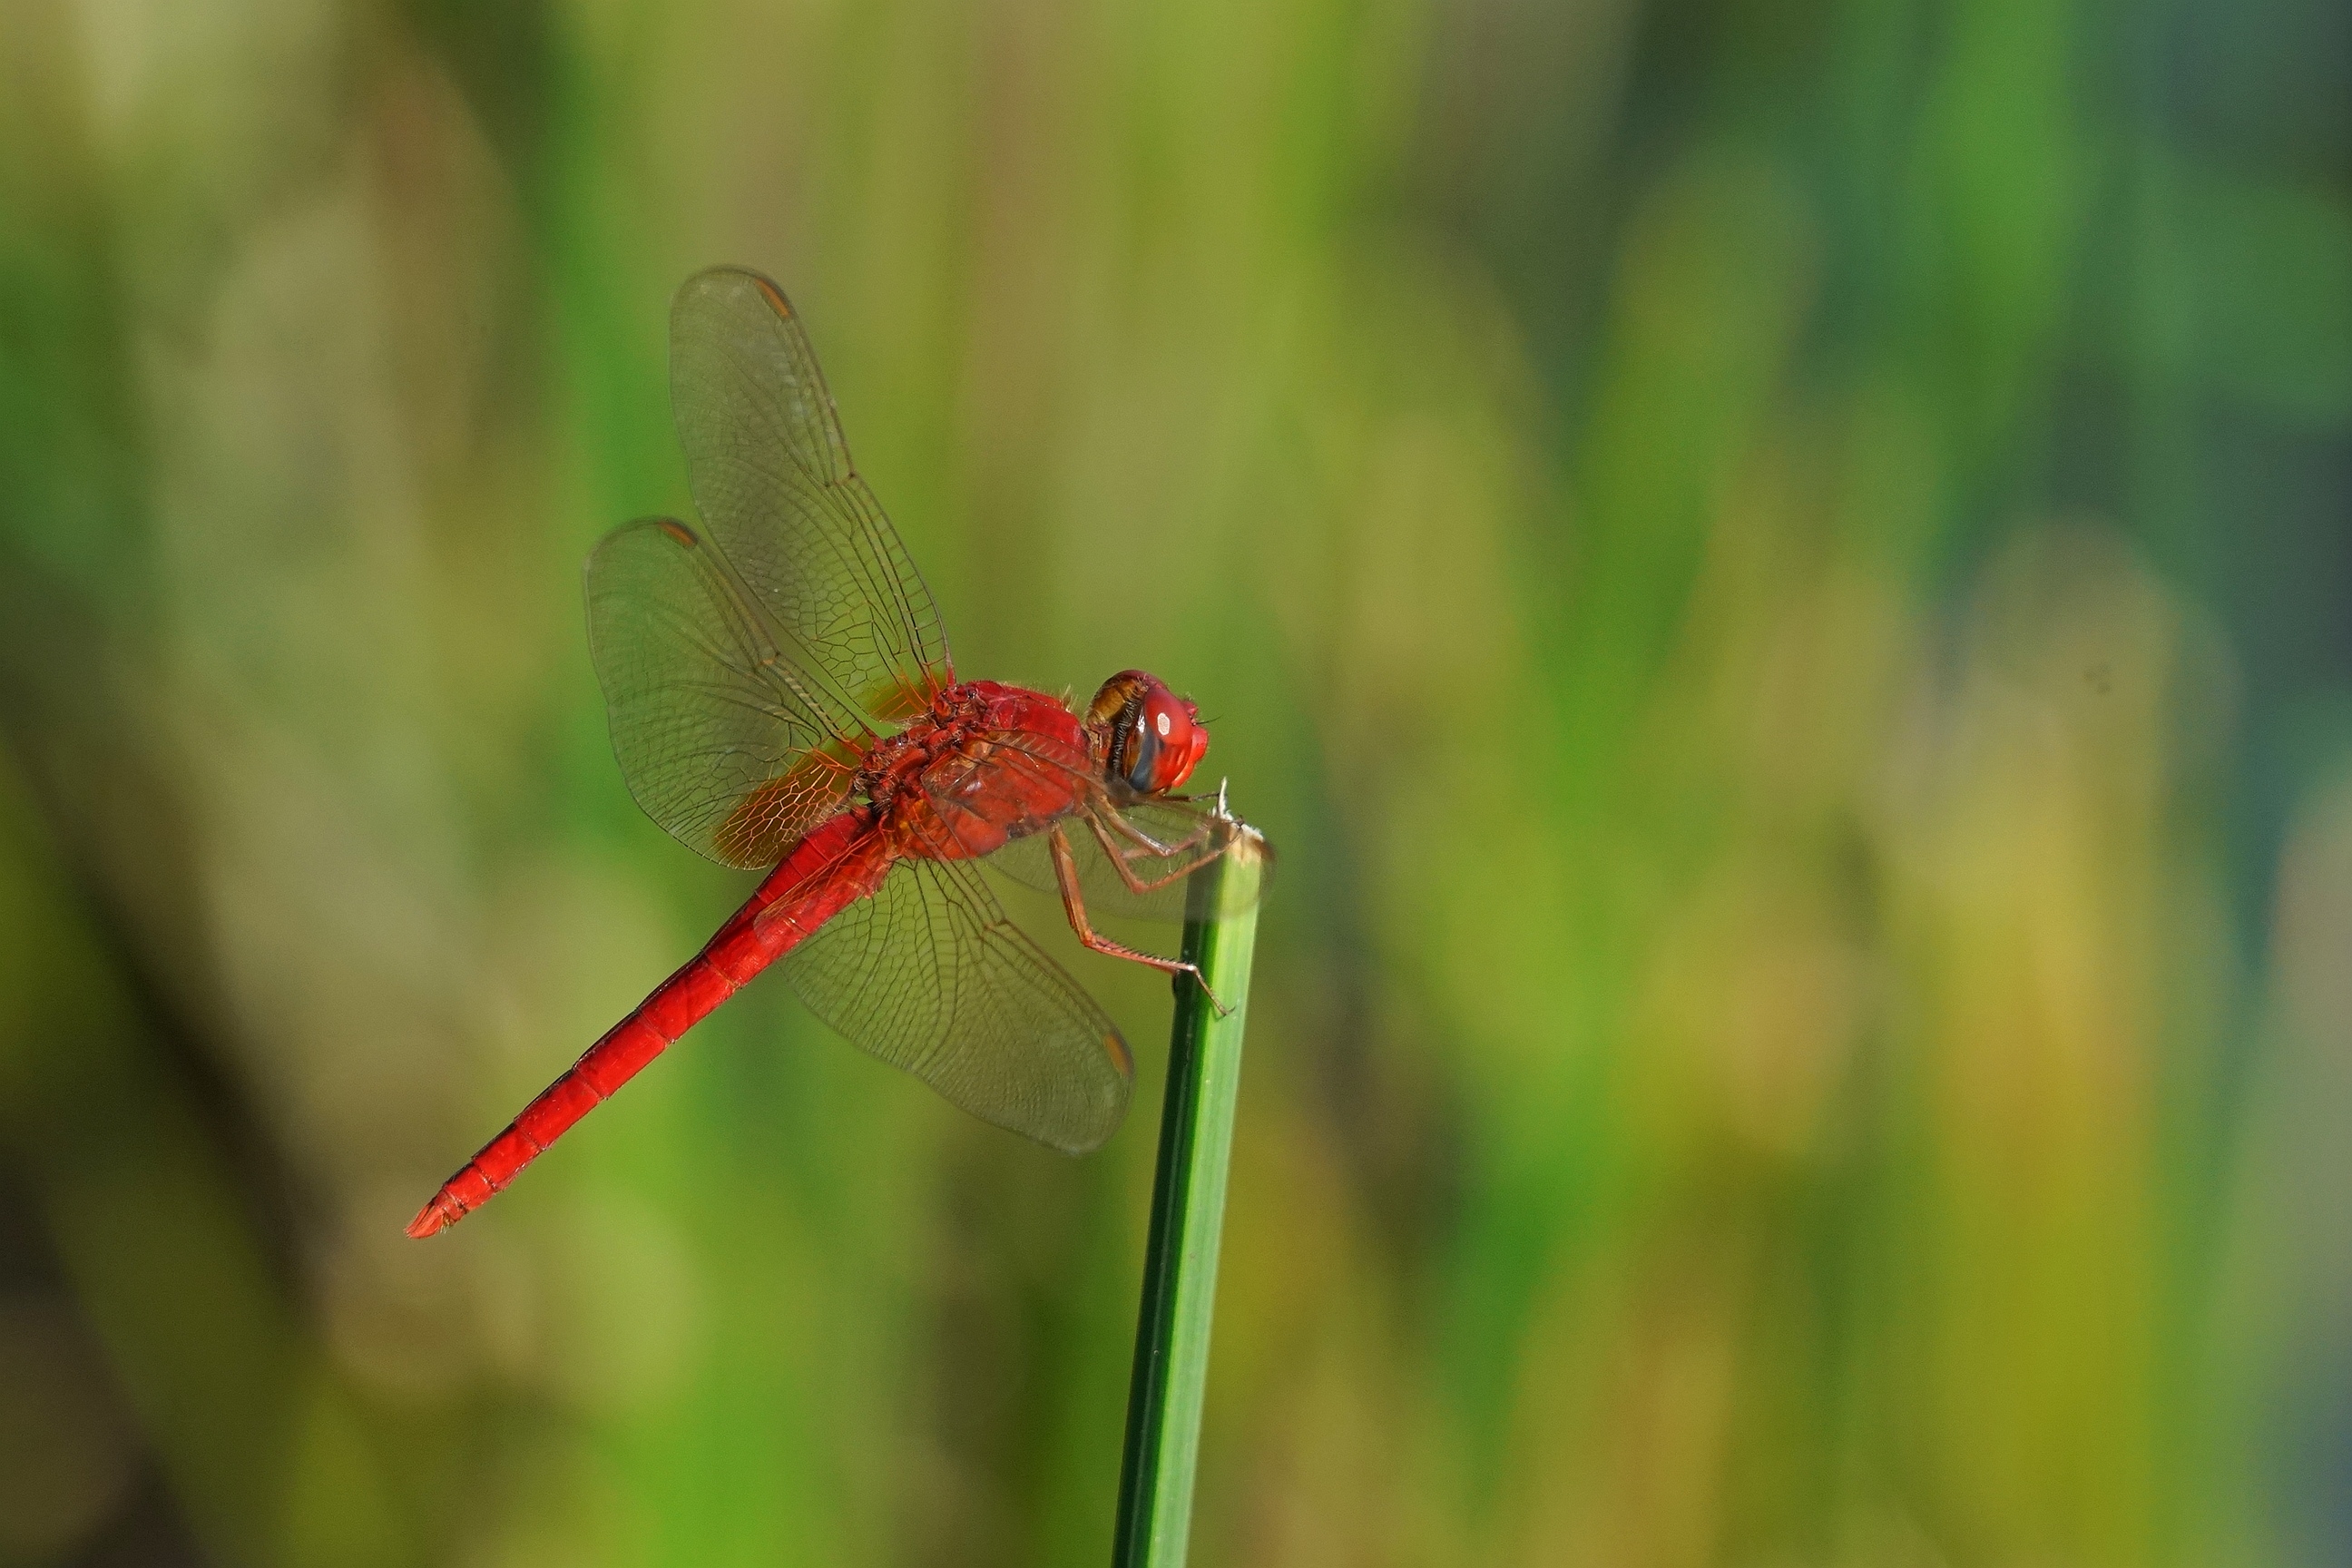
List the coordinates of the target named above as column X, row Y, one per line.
column 1776, row 572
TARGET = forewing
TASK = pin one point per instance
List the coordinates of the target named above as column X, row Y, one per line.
column 717, row 740
column 930, row 975
column 1189, row 830
column 786, row 507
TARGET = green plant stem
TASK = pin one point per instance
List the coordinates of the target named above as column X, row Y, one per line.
column 1188, row 1213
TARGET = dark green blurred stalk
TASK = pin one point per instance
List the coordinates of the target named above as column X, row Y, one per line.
column 1188, row 1214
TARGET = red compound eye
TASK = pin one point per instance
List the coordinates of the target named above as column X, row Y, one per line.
column 1157, row 740
column 1167, row 742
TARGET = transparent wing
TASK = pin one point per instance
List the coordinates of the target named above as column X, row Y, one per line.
column 1160, row 842
column 930, row 975
column 720, row 741
column 785, row 506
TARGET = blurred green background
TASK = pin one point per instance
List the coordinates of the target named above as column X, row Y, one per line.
column 1780, row 574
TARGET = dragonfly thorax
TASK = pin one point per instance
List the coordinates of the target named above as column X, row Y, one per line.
column 987, row 764
column 896, row 762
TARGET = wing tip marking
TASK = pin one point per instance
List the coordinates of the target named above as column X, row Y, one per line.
column 772, row 294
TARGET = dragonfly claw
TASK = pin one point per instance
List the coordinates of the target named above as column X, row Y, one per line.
column 1192, row 972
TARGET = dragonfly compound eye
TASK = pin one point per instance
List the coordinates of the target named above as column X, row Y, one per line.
column 1169, row 742
column 1139, row 750
column 1153, row 738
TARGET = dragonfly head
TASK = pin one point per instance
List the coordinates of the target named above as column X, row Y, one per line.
column 1143, row 736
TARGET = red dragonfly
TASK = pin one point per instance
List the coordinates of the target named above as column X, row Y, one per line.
column 781, row 696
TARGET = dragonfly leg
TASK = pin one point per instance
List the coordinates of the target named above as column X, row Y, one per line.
column 1147, row 845
column 1122, row 860
column 1074, row 905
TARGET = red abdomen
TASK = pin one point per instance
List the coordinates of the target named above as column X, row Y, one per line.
column 844, row 860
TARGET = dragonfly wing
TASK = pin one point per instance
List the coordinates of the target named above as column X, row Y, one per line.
column 930, row 975
column 718, row 740
column 781, row 500
column 1190, row 830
